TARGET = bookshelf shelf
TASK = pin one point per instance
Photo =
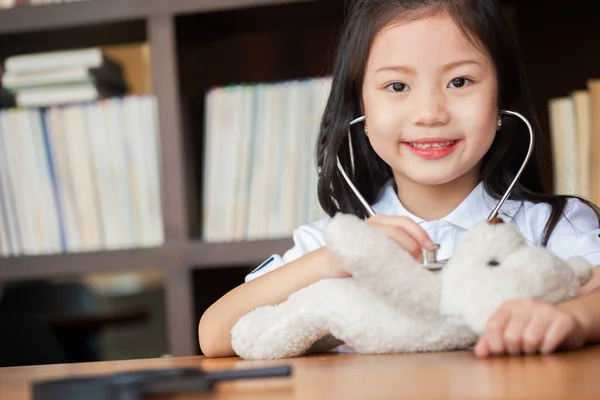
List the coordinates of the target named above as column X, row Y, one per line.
column 200, row 255
column 44, row 266
column 191, row 254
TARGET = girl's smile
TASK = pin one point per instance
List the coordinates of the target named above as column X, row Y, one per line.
column 433, row 148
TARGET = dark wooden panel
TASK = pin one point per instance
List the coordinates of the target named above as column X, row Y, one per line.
column 182, row 338
column 559, row 45
column 166, row 89
column 72, row 37
column 54, row 16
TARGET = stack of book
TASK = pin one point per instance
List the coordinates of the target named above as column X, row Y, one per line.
column 62, row 77
column 575, row 132
column 260, row 172
column 82, row 177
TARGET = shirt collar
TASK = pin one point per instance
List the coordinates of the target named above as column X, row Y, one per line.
column 476, row 207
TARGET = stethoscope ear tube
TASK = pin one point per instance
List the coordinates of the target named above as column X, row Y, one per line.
column 430, row 257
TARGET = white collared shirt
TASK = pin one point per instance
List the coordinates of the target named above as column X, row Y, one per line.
column 576, row 234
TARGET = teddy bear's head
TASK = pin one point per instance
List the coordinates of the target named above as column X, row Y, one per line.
column 493, row 264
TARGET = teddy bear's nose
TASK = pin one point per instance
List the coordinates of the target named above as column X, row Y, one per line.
column 495, row 220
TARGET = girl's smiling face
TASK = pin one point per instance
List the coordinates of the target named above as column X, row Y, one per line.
column 430, row 101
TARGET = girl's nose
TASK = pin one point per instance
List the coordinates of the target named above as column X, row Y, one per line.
column 429, row 108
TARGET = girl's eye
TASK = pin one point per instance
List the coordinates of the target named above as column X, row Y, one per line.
column 398, row 87
column 459, row 82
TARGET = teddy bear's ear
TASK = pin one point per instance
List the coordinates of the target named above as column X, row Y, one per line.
column 495, row 220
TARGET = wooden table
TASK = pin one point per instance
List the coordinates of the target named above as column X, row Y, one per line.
column 456, row 375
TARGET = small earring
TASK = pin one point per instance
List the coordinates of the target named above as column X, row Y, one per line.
column 499, row 123
column 366, row 131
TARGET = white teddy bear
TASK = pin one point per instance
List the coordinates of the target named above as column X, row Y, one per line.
column 391, row 304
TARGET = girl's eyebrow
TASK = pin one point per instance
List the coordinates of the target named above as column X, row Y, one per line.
column 411, row 71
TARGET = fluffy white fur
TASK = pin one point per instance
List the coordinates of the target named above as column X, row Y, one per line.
column 391, row 304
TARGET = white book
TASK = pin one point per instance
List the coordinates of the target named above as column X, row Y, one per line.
column 101, row 170
column 292, row 133
column 272, row 161
column 79, row 152
column 256, row 203
column 89, row 57
column 46, row 207
column 21, row 163
column 302, row 214
column 58, row 95
column 119, row 170
column 66, row 191
column 215, row 120
column 152, row 160
column 583, row 122
column 230, row 141
column 8, row 199
column 564, row 144
column 140, row 175
column 247, row 126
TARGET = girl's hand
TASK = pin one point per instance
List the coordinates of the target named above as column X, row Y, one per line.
column 408, row 234
column 529, row 327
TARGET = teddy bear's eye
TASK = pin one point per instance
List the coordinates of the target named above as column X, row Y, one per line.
column 493, row 263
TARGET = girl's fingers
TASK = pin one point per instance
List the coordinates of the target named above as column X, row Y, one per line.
column 514, row 332
column 561, row 326
column 495, row 330
column 533, row 336
column 408, row 225
column 482, row 348
column 403, row 240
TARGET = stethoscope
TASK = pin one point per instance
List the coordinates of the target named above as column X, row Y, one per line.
column 430, row 257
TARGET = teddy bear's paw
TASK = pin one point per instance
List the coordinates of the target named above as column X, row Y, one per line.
column 582, row 268
column 249, row 329
column 287, row 336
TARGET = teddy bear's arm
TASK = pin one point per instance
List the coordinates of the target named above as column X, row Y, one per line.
column 380, row 264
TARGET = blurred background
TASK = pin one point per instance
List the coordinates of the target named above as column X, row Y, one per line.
column 147, row 150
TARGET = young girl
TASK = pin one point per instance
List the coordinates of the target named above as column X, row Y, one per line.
column 433, row 156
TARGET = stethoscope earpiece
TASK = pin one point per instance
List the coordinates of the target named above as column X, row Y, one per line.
column 430, row 257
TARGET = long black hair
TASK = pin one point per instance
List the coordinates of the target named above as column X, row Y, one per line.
column 483, row 23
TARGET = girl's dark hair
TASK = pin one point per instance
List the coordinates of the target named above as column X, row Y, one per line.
column 483, row 23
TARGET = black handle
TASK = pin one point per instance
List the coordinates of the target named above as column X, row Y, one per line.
column 206, row 382
column 250, row 373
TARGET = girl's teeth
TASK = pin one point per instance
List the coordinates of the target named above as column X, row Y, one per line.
column 432, row 145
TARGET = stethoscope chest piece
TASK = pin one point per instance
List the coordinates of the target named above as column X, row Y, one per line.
column 430, row 259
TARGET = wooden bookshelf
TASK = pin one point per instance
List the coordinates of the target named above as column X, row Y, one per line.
column 196, row 44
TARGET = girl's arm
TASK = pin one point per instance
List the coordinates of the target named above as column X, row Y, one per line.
column 214, row 329
column 586, row 308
